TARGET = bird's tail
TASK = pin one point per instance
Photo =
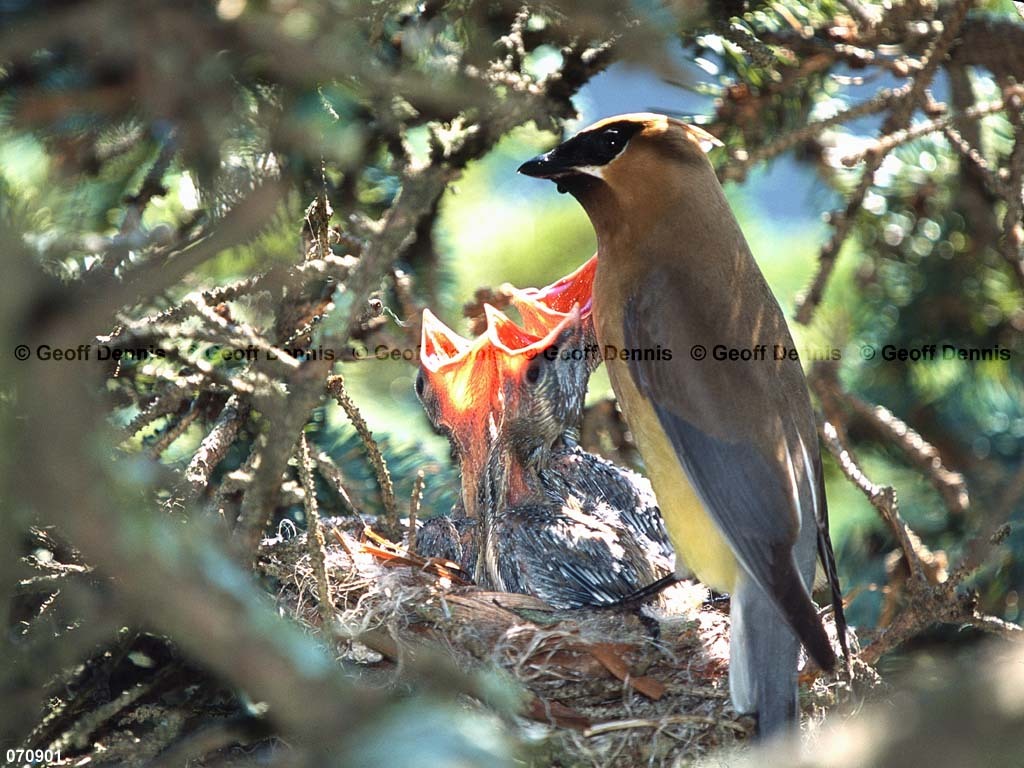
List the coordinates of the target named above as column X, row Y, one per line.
column 763, row 655
column 828, row 561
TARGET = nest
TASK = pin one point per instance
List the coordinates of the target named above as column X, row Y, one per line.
column 607, row 687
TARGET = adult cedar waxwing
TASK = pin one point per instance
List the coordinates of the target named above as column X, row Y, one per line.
column 729, row 444
column 570, row 549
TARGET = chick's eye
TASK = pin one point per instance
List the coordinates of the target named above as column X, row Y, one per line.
column 420, row 384
column 533, row 373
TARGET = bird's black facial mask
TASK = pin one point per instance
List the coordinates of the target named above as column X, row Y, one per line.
column 568, row 163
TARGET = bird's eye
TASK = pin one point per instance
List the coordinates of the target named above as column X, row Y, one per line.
column 613, row 140
column 533, row 372
column 420, row 384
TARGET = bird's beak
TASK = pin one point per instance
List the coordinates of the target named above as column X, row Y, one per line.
column 546, row 166
column 542, row 308
column 515, row 347
column 505, row 334
column 439, row 344
column 576, row 288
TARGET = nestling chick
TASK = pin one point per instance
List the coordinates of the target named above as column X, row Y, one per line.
column 565, row 469
column 556, row 522
column 456, row 385
column 541, row 309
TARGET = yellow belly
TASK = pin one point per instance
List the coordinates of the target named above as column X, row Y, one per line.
column 697, row 541
column 695, row 537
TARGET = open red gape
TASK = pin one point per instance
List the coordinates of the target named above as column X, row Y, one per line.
column 439, row 344
column 461, row 372
column 515, row 347
column 542, row 308
column 466, row 376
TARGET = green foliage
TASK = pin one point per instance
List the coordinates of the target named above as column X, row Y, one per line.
column 120, row 152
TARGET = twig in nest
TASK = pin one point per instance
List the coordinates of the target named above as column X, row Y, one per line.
column 336, row 388
column 392, row 554
column 662, row 722
column 414, row 508
column 340, row 538
column 315, row 535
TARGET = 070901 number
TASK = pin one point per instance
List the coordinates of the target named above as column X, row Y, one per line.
column 32, row 756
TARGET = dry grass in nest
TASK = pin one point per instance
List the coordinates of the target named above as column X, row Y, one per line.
column 601, row 687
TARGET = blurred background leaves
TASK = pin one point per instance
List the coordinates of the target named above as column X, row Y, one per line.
column 129, row 131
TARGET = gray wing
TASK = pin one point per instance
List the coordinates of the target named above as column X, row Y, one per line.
column 739, row 429
column 567, row 560
column 618, row 494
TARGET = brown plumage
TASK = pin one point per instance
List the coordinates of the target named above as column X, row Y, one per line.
column 730, row 446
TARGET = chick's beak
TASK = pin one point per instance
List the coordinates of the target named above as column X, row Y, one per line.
column 439, row 344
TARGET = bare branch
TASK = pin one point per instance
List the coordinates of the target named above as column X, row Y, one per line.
column 216, row 444
column 882, row 498
column 887, row 143
column 336, row 388
column 897, row 120
column 893, row 431
column 315, row 534
column 742, row 160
